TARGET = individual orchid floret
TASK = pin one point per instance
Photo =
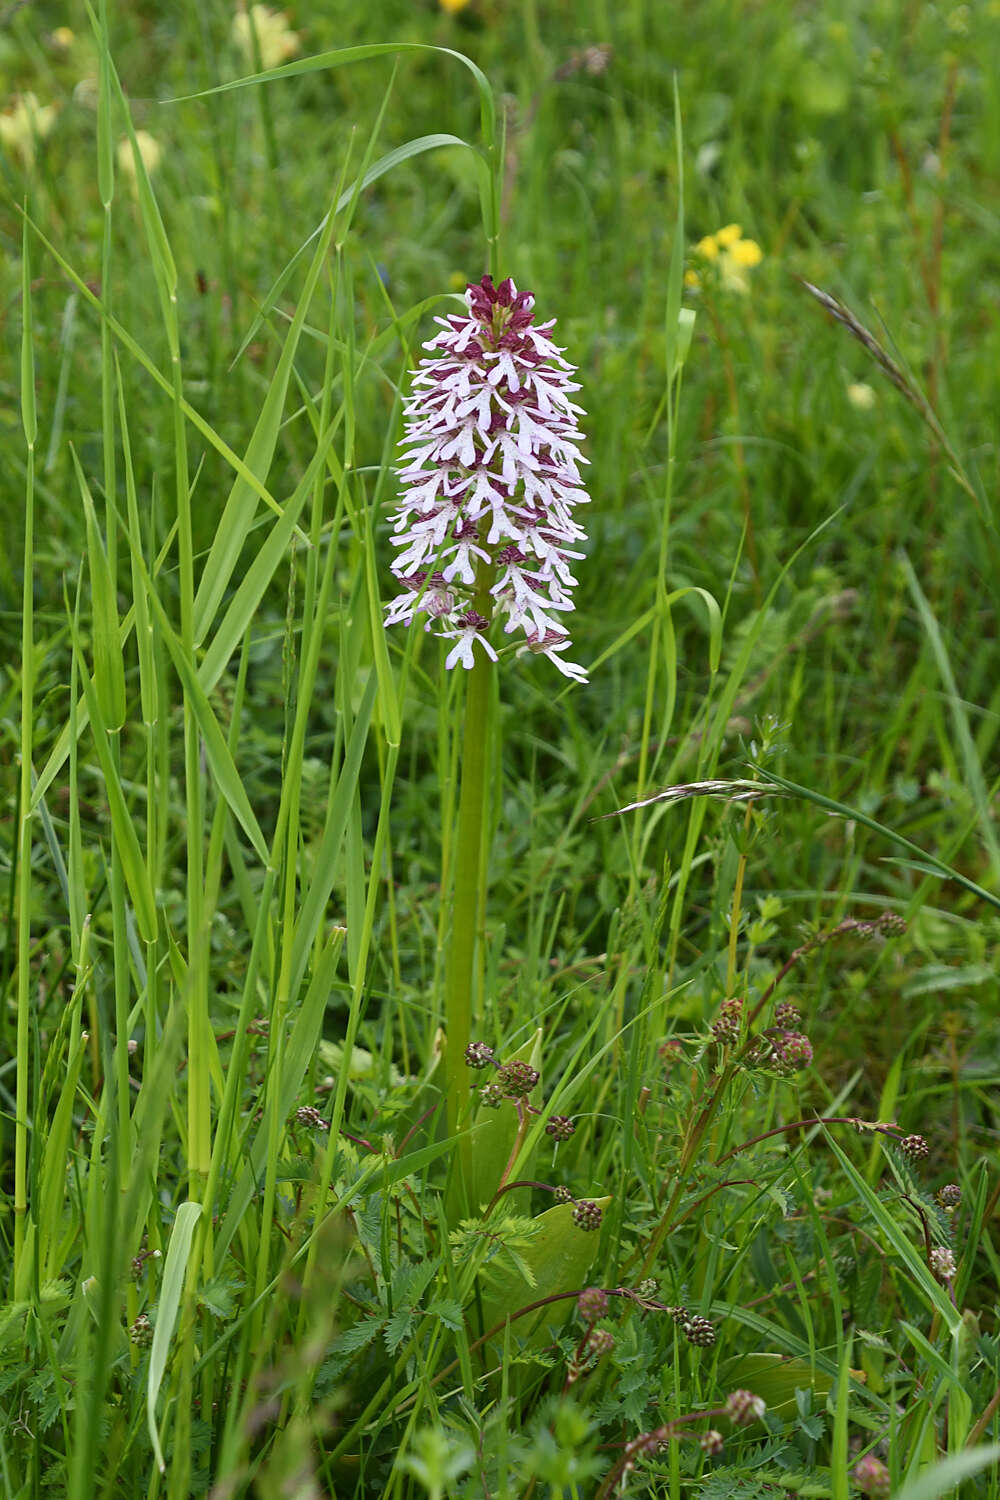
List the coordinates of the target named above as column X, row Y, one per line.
column 490, row 476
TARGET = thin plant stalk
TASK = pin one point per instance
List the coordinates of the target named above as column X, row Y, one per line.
column 29, row 422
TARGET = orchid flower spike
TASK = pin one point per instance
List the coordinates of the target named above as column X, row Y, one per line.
column 490, row 475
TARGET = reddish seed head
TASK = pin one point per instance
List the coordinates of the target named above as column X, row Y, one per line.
column 699, row 1331
column 914, row 1147
column 871, row 1477
column 744, row 1408
column 587, row 1215
column 592, row 1304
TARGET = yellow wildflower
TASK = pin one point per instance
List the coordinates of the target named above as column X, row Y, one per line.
column 452, row 7
column 275, row 38
column 23, row 125
column 149, row 149
column 730, row 255
column 860, row 395
column 62, row 38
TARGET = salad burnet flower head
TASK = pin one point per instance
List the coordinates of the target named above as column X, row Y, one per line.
column 490, row 476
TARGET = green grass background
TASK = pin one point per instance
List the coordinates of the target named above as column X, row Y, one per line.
column 855, row 578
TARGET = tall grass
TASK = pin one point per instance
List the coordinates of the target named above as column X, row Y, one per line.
column 270, row 867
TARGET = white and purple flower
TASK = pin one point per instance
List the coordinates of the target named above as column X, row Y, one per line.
column 490, row 474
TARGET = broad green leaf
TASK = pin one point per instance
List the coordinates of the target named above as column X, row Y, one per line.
column 559, row 1258
column 775, row 1378
column 171, row 1290
column 780, row 1338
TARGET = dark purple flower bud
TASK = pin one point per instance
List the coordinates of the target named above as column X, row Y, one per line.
column 307, row 1115
column 949, row 1196
column 699, row 1331
column 587, row 1215
column 710, row 1442
column 559, row 1127
column 726, row 1026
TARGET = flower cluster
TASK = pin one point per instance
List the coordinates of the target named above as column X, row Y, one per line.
column 490, row 475
column 277, row 42
column 726, row 1026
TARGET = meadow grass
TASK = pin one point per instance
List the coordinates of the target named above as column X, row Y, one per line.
column 735, row 900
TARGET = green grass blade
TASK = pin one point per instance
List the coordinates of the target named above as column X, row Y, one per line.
column 109, row 667
column 122, row 827
column 220, row 758
column 171, row 1290
column 946, row 1476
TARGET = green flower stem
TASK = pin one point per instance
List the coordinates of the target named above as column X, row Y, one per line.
column 470, row 873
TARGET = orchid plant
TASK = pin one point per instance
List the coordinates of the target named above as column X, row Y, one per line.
column 485, row 531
